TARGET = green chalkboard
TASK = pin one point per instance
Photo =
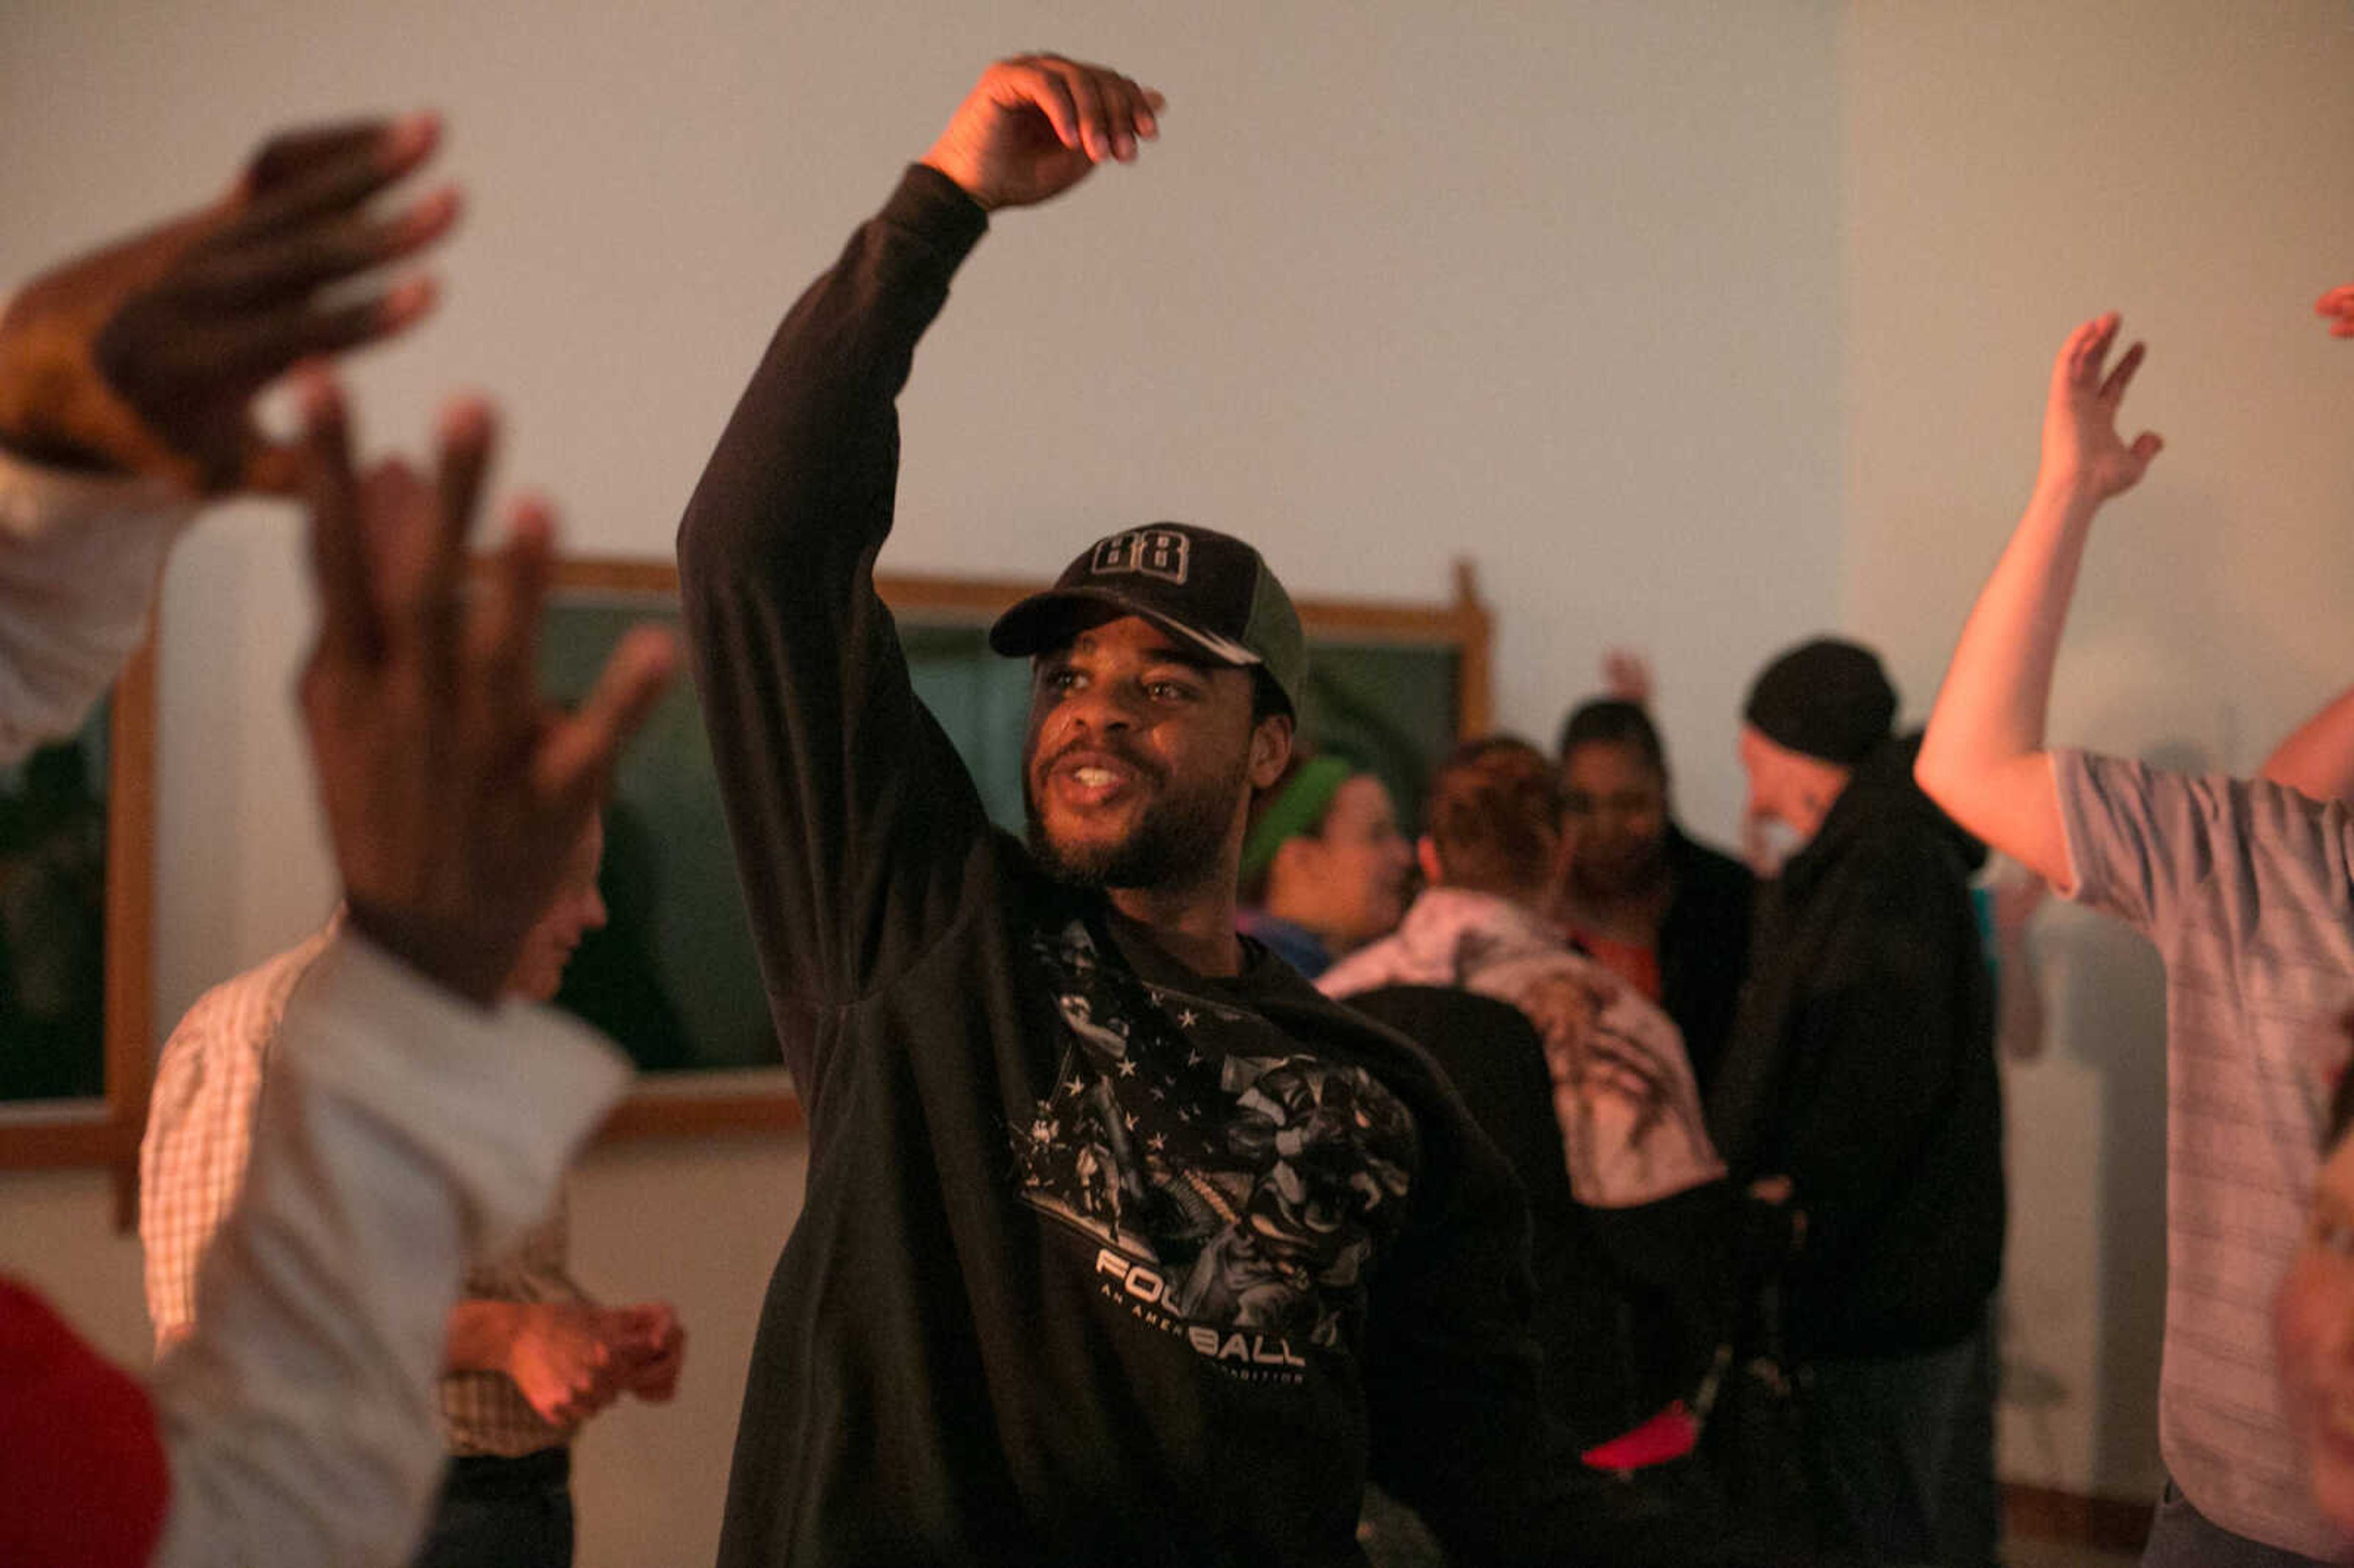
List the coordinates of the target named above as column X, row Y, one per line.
column 53, row 855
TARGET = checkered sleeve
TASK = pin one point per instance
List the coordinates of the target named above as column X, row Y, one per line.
column 200, row 1136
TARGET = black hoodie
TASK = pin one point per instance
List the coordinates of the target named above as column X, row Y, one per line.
column 1861, row 1066
column 1100, row 1260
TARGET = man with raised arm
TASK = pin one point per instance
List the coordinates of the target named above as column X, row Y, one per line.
column 411, row 1121
column 1120, row 1242
column 2244, row 888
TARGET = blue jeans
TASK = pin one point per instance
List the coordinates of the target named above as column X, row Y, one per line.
column 502, row 1513
column 1904, row 1446
column 2182, row 1537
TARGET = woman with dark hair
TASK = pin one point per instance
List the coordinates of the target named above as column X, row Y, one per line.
column 1664, row 913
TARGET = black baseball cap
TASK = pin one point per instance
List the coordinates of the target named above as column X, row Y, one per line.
column 1208, row 590
column 1827, row 698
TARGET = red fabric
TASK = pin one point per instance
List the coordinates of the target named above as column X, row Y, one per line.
column 1634, row 963
column 1670, row 1434
column 82, row 1479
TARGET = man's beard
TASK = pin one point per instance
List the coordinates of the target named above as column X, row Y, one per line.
column 1180, row 834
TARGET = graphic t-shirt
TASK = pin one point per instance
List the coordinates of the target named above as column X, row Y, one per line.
column 1238, row 1188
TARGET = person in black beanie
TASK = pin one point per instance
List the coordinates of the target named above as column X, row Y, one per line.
column 1861, row 1068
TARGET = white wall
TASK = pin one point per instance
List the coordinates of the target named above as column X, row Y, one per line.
column 2009, row 169
column 1555, row 286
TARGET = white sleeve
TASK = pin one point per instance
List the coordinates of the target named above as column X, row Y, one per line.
column 79, row 557
column 401, row 1134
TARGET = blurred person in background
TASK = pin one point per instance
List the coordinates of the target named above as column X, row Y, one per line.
column 1628, row 1112
column 530, row 1357
column 1661, row 909
column 1862, row 1070
column 1325, row 867
column 1607, row 1103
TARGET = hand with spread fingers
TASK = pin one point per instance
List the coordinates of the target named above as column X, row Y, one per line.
column 1035, row 125
column 2338, row 305
column 455, row 797
column 144, row 357
column 2082, row 448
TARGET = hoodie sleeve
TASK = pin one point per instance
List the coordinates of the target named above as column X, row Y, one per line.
column 852, row 815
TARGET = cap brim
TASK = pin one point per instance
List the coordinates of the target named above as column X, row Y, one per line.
column 1051, row 619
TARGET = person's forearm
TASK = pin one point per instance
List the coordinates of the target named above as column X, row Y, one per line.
column 815, row 729
column 2317, row 760
column 1996, row 692
column 1983, row 758
column 481, row 1335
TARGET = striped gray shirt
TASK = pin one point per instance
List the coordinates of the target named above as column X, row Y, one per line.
column 2245, row 888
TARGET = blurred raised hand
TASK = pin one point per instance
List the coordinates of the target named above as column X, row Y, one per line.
column 145, row 357
column 455, row 797
column 1627, row 676
column 2338, row 306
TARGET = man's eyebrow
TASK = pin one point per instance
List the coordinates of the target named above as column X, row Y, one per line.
column 1153, row 653
column 1192, row 658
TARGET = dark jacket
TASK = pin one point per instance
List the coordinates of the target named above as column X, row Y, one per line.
column 1100, row 1260
column 1631, row 1302
column 1704, row 946
column 1861, row 1065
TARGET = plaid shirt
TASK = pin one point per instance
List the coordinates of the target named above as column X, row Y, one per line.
column 192, row 1166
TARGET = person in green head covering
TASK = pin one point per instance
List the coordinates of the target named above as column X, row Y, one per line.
column 1325, row 867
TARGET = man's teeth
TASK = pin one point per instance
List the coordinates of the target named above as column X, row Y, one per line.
column 1093, row 777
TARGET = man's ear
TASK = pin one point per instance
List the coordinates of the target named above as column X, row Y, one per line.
column 1271, row 749
column 1425, row 855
